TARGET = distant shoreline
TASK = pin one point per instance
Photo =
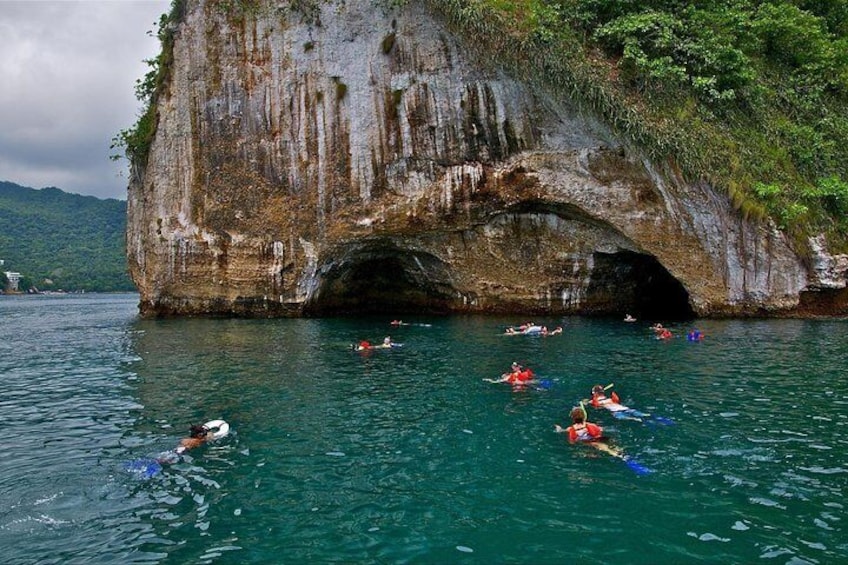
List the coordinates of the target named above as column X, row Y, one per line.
column 66, row 293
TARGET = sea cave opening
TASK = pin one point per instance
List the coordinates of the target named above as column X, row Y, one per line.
column 636, row 284
column 382, row 279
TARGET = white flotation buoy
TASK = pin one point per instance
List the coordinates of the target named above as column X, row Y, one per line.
column 222, row 428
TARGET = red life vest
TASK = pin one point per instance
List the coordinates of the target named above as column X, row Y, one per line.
column 584, row 432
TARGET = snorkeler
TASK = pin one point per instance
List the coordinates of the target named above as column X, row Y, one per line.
column 661, row 332
column 198, row 435
column 620, row 411
column 581, row 431
column 611, row 403
column 517, row 375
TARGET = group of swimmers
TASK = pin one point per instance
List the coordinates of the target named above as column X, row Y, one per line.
column 365, row 345
column 529, row 328
column 402, row 323
column 581, row 430
column 663, row 333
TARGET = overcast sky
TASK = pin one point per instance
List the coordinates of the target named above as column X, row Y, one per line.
column 67, row 86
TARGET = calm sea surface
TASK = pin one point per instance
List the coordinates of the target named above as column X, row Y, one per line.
column 406, row 455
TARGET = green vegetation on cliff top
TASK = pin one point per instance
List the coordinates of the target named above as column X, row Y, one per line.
column 749, row 96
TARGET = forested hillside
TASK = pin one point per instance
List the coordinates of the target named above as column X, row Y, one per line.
column 748, row 95
column 62, row 241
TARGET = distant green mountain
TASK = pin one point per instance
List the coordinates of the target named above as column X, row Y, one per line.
column 62, row 241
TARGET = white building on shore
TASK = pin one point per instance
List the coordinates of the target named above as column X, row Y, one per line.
column 14, row 279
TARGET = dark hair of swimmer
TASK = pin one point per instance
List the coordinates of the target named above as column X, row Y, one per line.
column 198, row 431
column 577, row 415
column 597, row 389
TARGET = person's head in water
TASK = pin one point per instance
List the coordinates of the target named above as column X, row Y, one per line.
column 578, row 415
column 387, row 340
column 597, row 389
column 198, row 431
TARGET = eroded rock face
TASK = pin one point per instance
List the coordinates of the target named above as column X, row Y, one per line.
column 361, row 159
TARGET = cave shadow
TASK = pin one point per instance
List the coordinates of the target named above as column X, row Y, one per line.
column 380, row 278
column 633, row 283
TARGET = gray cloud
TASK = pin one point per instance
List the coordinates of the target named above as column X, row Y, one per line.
column 67, row 87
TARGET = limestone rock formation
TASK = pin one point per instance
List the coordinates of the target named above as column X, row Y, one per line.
column 362, row 158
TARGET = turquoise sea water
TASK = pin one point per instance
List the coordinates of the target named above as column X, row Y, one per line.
column 406, row 455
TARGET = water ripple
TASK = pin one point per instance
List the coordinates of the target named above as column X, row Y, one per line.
column 407, row 455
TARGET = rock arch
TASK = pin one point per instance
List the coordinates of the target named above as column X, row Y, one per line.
column 547, row 259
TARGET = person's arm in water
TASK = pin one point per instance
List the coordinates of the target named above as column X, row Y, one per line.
column 504, row 378
column 508, row 377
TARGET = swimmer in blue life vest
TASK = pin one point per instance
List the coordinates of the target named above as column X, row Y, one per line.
column 620, row 411
column 694, row 335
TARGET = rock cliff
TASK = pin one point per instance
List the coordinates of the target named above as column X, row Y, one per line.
column 361, row 158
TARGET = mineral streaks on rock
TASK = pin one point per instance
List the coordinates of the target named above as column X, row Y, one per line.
column 362, row 158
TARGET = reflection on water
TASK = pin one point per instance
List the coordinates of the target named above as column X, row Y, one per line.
column 406, row 455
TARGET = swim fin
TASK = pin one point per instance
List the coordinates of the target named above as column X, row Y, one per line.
column 144, row 468
column 637, row 467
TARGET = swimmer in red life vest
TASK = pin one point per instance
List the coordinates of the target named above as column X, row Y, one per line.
column 661, row 332
column 365, row 345
column 581, row 431
column 517, row 376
